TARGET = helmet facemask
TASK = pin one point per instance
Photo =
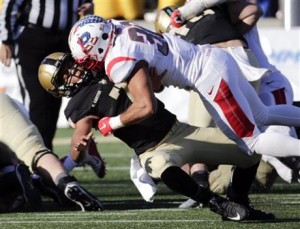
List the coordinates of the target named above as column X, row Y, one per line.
column 62, row 76
column 64, row 80
column 57, row 72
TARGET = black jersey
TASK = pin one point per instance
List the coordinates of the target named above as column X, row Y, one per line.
column 211, row 26
column 109, row 100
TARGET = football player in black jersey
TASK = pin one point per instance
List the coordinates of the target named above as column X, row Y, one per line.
column 162, row 143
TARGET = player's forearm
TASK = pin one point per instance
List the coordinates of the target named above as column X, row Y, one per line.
column 194, row 7
column 80, row 139
column 141, row 91
column 244, row 15
column 137, row 112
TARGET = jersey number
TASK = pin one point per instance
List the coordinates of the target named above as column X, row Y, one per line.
column 140, row 34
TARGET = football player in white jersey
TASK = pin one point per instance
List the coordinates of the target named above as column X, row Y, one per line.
column 127, row 51
column 273, row 89
column 213, row 25
column 161, row 143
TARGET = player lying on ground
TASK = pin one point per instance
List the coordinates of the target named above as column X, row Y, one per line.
column 22, row 138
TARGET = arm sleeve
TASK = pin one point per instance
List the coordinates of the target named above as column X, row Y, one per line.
column 193, row 7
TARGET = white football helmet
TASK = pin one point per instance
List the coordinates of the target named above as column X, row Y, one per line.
column 90, row 39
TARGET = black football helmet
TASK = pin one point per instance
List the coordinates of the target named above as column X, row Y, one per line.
column 162, row 23
column 55, row 74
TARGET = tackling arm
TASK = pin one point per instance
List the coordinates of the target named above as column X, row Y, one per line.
column 143, row 104
column 193, row 7
column 144, row 101
column 244, row 15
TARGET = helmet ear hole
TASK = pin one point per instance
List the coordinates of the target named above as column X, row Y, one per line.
column 104, row 36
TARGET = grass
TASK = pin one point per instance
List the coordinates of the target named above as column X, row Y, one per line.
column 125, row 208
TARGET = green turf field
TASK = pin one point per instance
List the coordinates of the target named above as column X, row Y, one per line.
column 126, row 209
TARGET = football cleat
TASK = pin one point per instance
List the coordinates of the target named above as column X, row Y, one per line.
column 51, row 190
column 95, row 160
column 227, row 209
column 253, row 214
column 79, row 195
column 82, row 197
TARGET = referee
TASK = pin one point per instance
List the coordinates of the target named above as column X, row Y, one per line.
column 29, row 31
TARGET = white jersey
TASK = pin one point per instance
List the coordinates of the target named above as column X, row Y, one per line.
column 210, row 71
column 162, row 52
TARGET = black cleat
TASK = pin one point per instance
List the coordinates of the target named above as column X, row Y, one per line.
column 82, row 197
column 254, row 214
column 79, row 195
column 227, row 209
column 51, row 190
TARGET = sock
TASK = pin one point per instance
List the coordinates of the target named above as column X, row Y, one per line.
column 69, row 164
column 241, row 182
column 179, row 181
column 201, row 177
column 59, row 177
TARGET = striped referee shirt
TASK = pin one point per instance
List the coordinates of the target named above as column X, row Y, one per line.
column 57, row 15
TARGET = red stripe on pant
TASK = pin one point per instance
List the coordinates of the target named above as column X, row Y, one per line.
column 235, row 116
column 279, row 96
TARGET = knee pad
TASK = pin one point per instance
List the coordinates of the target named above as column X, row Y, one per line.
column 156, row 165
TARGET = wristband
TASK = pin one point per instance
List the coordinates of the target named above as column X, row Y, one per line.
column 115, row 122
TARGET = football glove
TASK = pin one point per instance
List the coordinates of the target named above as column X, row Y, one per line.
column 104, row 126
column 176, row 19
column 107, row 125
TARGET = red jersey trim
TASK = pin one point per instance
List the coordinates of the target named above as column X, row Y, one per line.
column 116, row 61
column 279, row 96
column 234, row 114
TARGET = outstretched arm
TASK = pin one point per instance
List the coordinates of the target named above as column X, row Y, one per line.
column 244, row 15
column 194, row 7
column 81, row 138
column 144, row 101
column 191, row 9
